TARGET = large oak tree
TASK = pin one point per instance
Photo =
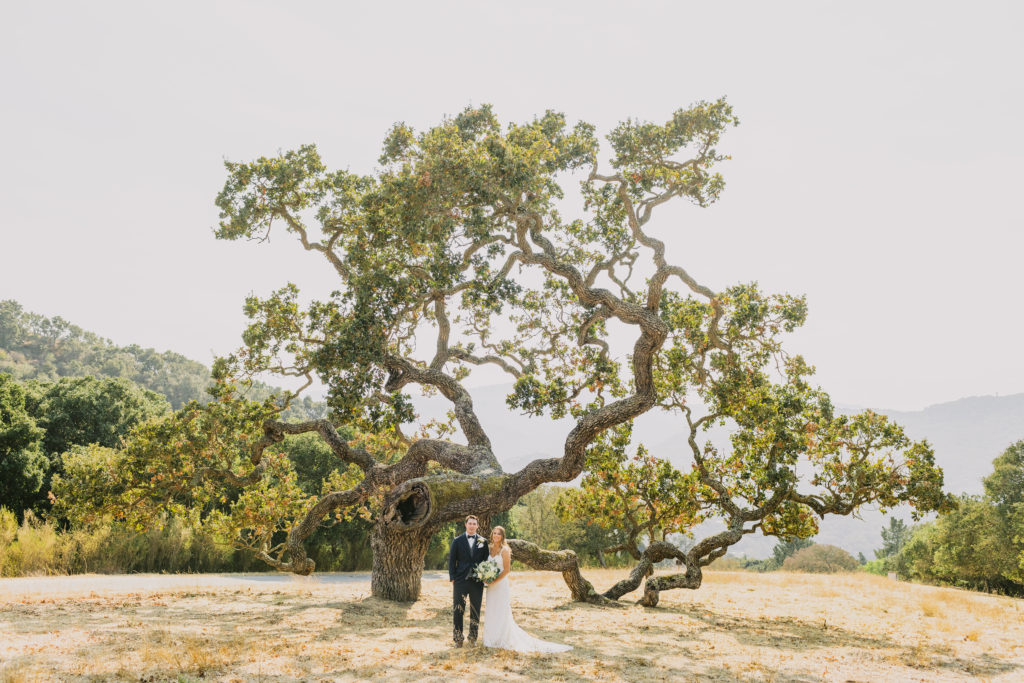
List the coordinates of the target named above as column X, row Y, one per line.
column 456, row 254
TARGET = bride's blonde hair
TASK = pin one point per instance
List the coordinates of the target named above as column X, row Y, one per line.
column 501, row 530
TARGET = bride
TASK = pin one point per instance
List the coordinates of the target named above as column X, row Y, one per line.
column 500, row 629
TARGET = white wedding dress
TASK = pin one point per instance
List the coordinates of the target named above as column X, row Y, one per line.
column 500, row 629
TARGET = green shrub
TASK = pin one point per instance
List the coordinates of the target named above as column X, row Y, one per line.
column 879, row 567
column 820, row 559
column 727, row 563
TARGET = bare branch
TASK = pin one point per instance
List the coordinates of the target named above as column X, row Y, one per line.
column 326, row 250
column 276, row 430
column 466, row 357
column 404, row 371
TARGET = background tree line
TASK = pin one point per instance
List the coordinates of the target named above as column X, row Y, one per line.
column 47, row 427
column 980, row 545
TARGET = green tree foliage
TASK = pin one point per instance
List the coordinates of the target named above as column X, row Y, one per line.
column 22, row 463
column 81, row 421
column 638, row 498
column 791, row 459
column 87, row 410
column 962, row 548
column 969, row 548
column 162, row 470
column 916, row 560
column 820, row 559
column 980, row 544
column 745, row 378
column 1005, row 489
column 893, row 538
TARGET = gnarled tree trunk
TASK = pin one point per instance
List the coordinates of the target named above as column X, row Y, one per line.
column 691, row 579
column 399, row 542
column 398, row 557
column 412, row 514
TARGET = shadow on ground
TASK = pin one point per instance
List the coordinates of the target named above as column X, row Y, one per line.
column 269, row 635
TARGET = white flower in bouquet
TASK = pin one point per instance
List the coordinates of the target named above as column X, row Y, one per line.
column 487, row 571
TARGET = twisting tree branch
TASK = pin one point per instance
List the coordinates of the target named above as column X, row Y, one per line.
column 564, row 561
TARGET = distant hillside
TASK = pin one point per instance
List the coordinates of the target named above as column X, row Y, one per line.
column 33, row 346
column 967, row 434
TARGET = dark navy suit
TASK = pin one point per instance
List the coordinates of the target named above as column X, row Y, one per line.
column 462, row 558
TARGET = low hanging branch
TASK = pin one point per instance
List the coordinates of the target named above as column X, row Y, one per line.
column 653, row 554
column 582, row 590
column 564, row 561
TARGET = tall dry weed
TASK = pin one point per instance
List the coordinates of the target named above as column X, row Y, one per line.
column 37, row 547
column 22, row 672
column 930, row 607
column 8, row 532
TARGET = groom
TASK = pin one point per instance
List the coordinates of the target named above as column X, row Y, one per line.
column 466, row 552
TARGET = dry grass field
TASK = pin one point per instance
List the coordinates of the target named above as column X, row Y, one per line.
column 738, row 627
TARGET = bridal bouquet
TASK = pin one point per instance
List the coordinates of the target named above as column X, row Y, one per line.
column 487, row 570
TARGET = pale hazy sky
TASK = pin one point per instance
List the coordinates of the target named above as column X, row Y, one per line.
column 877, row 169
